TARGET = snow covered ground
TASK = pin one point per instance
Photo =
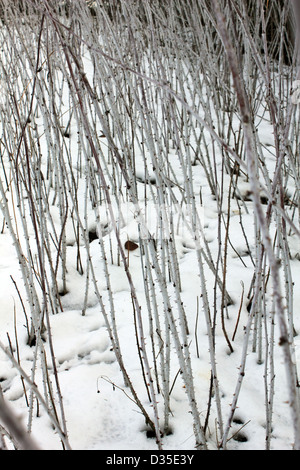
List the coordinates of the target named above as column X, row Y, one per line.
column 99, row 412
